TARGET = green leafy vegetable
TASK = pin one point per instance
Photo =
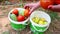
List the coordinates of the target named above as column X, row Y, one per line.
column 13, row 17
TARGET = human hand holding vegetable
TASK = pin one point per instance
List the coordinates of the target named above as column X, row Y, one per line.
column 50, row 6
column 54, row 7
column 32, row 6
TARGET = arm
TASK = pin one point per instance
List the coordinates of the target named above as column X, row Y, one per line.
column 33, row 6
column 54, row 7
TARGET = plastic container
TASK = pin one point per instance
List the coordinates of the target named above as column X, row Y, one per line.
column 36, row 28
column 17, row 25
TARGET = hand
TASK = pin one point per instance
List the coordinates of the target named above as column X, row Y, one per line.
column 54, row 7
column 32, row 6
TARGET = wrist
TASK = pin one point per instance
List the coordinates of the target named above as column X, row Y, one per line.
column 38, row 4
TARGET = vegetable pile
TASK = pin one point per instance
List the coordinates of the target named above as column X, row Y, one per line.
column 39, row 20
column 19, row 15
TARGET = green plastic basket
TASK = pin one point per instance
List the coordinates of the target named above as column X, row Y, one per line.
column 36, row 27
column 17, row 25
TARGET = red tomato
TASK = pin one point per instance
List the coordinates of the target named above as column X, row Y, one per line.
column 15, row 11
column 26, row 12
column 45, row 3
column 57, row 1
column 20, row 18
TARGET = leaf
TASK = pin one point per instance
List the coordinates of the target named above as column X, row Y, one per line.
column 13, row 17
column 54, row 15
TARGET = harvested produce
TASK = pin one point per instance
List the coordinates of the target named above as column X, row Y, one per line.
column 39, row 20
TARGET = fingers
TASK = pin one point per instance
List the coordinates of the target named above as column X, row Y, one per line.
column 50, row 6
column 32, row 9
column 54, row 7
column 26, row 6
column 30, row 5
